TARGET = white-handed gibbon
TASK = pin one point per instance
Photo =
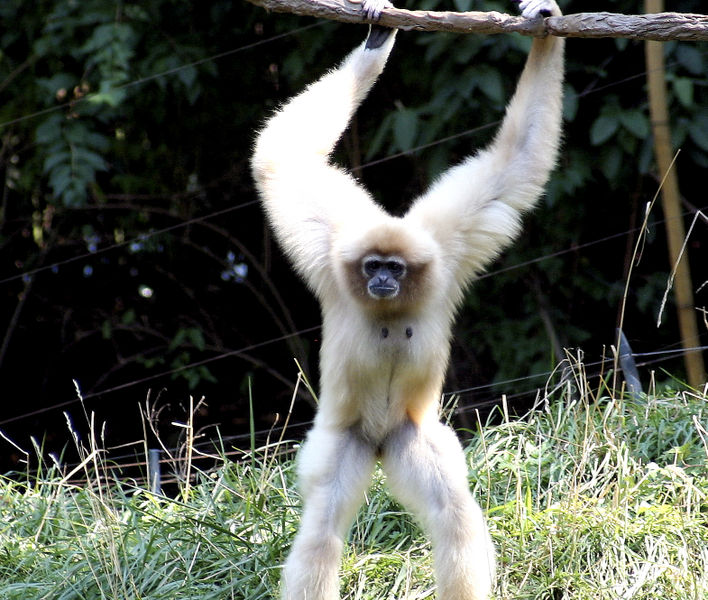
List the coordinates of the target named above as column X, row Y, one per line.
column 389, row 288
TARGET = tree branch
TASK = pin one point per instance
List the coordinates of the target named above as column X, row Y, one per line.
column 660, row 27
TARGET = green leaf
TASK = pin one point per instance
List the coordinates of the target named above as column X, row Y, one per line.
column 405, row 128
column 60, row 179
column 113, row 97
column 490, row 82
column 54, row 159
column 74, row 196
column 699, row 130
column 187, row 75
column 49, row 130
column 691, row 58
column 611, row 162
column 89, row 158
column 380, row 137
column 178, row 340
column 683, row 88
column 108, row 34
column 206, row 375
column 636, row 122
column 570, row 104
column 604, row 127
column 196, row 337
column 75, row 132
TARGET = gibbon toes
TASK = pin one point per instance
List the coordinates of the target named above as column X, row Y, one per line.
column 531, row 9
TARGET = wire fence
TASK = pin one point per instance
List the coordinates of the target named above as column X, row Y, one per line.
column 150, row 468
column 213, row 215
column 128, row 461
column 294, row 334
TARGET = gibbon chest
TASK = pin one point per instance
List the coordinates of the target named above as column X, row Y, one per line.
column 379, row 373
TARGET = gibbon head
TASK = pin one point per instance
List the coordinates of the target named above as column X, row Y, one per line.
column 390, row 268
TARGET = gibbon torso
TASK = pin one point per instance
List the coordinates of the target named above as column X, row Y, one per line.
column 377, row 371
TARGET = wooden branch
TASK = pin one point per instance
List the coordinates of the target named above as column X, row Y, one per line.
column 660, row 27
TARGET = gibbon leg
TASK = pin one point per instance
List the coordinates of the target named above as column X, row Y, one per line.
column 334, row 470
column 427, row 472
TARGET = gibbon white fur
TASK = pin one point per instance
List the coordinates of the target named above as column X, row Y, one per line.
column 389, row 288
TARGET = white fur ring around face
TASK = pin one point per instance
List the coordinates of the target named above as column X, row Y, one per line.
column 530, row 9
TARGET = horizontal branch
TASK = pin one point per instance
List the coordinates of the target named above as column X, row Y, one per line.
column 660, row 26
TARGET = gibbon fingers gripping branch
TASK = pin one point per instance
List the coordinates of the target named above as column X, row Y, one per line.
column 389, row 288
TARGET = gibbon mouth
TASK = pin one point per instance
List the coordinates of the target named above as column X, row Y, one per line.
column 382, row 291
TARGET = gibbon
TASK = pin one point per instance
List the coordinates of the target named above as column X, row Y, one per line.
column 389, row 288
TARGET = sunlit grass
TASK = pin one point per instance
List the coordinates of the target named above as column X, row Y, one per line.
column 588, row 497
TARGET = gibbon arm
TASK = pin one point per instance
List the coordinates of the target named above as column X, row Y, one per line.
column 306, row 198
column 474, row 210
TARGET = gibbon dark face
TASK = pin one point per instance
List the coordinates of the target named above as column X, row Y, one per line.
column 383, row 280
column 384, row 275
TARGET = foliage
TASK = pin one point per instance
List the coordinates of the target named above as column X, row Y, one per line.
column 134, row 255
column 590, row 496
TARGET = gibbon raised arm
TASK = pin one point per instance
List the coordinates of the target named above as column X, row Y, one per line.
column 474, row 209
column 305, row 197
column 389, row 288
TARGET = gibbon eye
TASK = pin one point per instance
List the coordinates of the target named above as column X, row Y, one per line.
column 372, row 266
column 395, row 267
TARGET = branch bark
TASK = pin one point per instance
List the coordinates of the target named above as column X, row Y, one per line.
column 659, row 27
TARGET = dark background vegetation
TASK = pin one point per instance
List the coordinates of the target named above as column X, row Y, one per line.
column 133, row 255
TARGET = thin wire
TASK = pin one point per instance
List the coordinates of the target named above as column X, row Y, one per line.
column 135, row 382
column 671, row 352
column 576, row 96
column 139, row 238
column 224, row 211
column 267, row 342
column 171, row 71
column 427, row 145
column 384, row 159
column 668, row 355
column 145, row 236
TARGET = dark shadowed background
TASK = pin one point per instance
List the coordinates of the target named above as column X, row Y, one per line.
column 134, row 259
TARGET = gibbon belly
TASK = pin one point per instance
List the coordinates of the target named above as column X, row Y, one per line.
column 385, row 381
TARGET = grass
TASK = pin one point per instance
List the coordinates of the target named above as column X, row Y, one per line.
column 588, row 497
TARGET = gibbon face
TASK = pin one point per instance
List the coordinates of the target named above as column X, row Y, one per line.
column 385, row 275
column 387, row 283
column 389, row 271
